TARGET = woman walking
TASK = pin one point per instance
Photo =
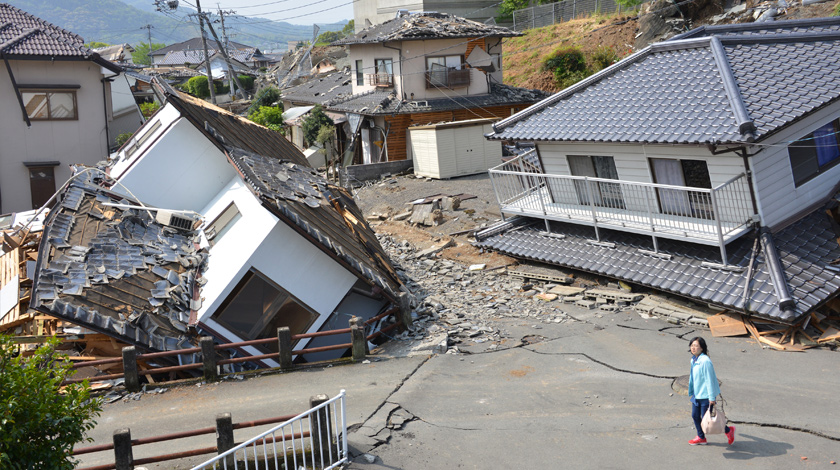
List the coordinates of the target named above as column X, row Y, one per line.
column 703, row 389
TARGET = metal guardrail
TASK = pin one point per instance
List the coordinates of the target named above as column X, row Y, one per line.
column 709, row 216
column 314, row 439
column 544, row 15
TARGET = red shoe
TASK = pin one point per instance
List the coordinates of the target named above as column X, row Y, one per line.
column 698, row 441
column 730, row 436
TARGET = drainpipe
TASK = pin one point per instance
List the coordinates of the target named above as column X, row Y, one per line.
column 745, row 157
column 776, row 271
column 399, row 50
column 105, row 106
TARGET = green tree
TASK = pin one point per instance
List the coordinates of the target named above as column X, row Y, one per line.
column 149, row 108
column 96, row 45
column 40, row 421
column 313, row 123
column 247, row 81
column 349, row 29
column 327, row 37
column 140, row 56
column 568, row 64
column 270, row 117
column 268, row 96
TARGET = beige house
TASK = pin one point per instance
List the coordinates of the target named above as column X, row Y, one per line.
column 61, row 104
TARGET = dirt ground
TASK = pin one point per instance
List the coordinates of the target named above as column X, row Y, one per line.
column 392, row 196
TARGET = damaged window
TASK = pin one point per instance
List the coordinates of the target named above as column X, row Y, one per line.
column 446, row 71
column 48, row 105
column 222, row 224
column 257, row 307
column 815, row 153
column 360, row 75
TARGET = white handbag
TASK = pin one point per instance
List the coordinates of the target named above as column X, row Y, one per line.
column 714, row 421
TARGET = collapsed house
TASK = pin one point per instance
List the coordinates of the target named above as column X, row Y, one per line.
column 705, row 166
column 209, row 224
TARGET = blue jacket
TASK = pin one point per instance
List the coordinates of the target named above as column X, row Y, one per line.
column 702, row 381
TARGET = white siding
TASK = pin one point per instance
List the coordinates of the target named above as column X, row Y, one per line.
column 447, row 152
column 778, row 197
column 425, row 151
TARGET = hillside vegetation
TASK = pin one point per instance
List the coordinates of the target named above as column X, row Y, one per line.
column 600, row 37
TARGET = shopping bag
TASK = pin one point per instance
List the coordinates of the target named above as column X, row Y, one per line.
column 714, row 421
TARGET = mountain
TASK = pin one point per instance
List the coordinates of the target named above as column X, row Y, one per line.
column 122, row 21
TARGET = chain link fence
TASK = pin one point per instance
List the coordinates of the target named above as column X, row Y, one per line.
column 544, row 15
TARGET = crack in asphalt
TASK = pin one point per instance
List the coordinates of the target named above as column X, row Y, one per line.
column 617, row 369
column 397, row 388
column 786, row 427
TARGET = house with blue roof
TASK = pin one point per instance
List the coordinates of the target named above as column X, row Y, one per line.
column 705, row 166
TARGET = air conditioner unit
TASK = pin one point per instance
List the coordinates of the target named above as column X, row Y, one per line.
column 179, row 220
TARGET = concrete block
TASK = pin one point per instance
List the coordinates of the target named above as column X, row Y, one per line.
column 565, row 290
column 608, row 308
column 572, row 299
column 590, row 304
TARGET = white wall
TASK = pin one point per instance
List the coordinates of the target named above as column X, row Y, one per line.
column 632, row 164
column 181, row 169
column 778, row 197
column 125, row 116
column 68, row 142
column 411, row 77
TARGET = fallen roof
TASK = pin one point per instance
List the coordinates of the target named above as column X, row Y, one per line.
column 196, row 44
column 733, row 88
column 230, row 129
column 805, row 250
column 426, row 25
column 196, row 56
column 320, row 89
column 324, row 213
column 386, row 102
column 116, row 270
column 25, row 35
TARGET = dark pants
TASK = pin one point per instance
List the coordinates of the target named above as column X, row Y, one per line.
column 698, row 410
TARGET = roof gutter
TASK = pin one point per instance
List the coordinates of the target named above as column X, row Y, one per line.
column 746, row 126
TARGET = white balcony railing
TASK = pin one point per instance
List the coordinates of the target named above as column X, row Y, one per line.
column 701, row 215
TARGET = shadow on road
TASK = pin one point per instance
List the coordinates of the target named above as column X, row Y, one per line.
column 748, row 447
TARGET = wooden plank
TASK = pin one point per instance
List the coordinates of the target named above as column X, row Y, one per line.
column 727, row 324
column 831, row 334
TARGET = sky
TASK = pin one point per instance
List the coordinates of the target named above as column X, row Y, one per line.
column 291, row 11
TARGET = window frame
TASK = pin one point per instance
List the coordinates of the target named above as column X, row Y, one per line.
column 810, row 149
column 360, row 72
column 47, row 90
column 228, row 218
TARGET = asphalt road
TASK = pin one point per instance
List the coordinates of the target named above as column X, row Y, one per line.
column 593, row 393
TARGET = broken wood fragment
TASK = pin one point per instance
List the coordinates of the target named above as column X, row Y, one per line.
column 727, row 324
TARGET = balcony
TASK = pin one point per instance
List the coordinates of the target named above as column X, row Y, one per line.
column 447, row 78
column 385, row 80
column 713, row 216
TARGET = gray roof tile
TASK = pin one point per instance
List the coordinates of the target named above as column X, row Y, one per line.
column 809, row 281
column 320, row 89
column 673, row 92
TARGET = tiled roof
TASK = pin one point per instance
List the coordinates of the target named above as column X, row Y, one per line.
column 709, row 90
column 116, row 270
column 426, row 25
column 811, row 25
column 324, row 212
column 195, row 44
column 386, row 102
column 22, row 34
column 197, row 56
column 320, row 89
column 804, row 248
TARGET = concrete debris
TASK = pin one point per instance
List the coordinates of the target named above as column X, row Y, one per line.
column 426, row 25
column 426, row 214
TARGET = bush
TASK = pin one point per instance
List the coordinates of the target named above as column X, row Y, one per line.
column 123, row 138
column 270, row 117
column 313, row 123
column 197, row 86
column 247, row 81
column 268, row 96
column 629, row 3
column 41, row 421
column 149, row 108
column 568, row 64
column 602, row 58
column 836, row 11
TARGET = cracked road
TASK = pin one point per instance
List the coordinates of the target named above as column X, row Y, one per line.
column 595, row 392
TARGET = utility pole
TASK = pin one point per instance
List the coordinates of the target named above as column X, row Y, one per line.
column 226, row 47
column 206, row 52
column 149, row 27
column 227, row 59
